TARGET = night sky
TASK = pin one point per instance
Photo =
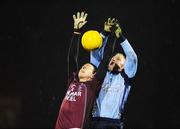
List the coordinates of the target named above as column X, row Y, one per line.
column 34, row 39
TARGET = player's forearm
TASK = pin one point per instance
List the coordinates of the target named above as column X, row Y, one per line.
column 128, row 50
column 131, row 59
column 107, row 56
column 74, row 45
column 73, row 53
column 97, row 55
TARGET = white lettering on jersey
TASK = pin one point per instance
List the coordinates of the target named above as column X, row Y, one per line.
column 71, row 94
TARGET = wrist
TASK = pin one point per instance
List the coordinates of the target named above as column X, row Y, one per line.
column 122, row 38
column 105, row 33
column 77, row 31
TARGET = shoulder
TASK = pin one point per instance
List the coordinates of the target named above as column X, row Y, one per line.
column 73, row 77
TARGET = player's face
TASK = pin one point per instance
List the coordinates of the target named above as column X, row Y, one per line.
column 86, row 71
column 117, row 62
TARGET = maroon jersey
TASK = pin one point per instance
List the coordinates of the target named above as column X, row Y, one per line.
column 77, row 104
column 79, row 99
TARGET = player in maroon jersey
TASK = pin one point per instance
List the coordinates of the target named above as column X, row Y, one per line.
column 83, row 84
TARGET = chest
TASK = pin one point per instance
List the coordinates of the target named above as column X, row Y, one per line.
column 75, row 91
column 113, row 83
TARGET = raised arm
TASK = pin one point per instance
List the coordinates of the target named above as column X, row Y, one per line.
column 73, row 52
column 131, row 62
column 130, row 67
column 97, row 55
column 131, row 57
column 108, row 52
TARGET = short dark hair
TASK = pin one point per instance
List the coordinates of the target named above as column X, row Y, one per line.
column 95, row 68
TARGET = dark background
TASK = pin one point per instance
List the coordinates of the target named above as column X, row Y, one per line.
column 34, row 38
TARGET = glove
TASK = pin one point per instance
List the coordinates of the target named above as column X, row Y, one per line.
column 117, row 30
column 79, row 20
column 109, row 23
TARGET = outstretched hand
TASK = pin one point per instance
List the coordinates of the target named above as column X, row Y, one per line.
column 79, row 20
column 109, row 23
column 117, row 30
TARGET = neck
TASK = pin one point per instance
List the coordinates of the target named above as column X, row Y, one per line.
column 83, row 79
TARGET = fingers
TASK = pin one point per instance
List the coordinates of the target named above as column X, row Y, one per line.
column 81, row 24
column 84, row 23
column 109, row 20
column 74, row 17
column 80, row 19
column 117, row 25
column 112, row 21
column 85, row 16
column 80, row 15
